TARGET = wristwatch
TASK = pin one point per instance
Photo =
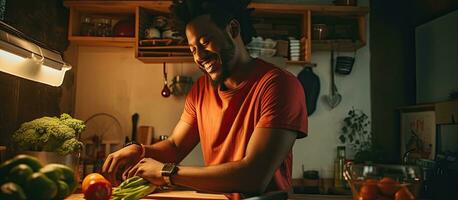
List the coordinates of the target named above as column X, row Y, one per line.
column 167, row 171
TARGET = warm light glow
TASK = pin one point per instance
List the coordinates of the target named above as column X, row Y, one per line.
column 31, row 69
column 7, row 56
column 52, row 76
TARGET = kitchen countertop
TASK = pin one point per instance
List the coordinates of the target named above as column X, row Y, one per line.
column 189, row 195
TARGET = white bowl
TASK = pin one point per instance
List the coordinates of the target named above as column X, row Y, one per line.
column 255, row 52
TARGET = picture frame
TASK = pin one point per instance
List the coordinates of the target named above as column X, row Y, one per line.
column 418, row 133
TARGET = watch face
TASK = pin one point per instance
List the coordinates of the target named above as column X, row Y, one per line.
column 168, row 169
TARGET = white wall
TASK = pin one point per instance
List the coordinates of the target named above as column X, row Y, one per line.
column 111, row 80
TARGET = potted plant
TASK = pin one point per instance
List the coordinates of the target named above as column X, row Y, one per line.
column 356, row 134
column 51, row 139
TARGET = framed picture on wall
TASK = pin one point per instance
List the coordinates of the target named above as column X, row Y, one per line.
column 418, row 133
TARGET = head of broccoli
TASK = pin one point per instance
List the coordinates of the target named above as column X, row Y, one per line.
column 55, row 134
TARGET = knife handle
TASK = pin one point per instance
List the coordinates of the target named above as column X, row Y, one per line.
column 134, row 126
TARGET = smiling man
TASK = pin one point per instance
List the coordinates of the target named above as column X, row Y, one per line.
column 245, row 112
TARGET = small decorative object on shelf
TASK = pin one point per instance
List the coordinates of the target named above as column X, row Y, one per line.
column 152, row 33
column 319, row 31
column 87, row 27
column 124, row 28
column 103, row 27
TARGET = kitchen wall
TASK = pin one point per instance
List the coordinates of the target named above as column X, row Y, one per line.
column 111, row 80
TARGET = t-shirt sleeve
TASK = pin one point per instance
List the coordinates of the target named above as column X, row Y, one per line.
column 189, row 115
column 283, row 105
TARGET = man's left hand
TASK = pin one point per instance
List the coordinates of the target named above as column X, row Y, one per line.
column 148, row 169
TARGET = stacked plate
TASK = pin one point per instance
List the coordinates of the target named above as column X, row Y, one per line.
column 294, row 49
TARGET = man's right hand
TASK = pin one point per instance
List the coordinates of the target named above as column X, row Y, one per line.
column 124, row 158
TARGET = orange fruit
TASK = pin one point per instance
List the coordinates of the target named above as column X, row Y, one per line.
column 92, row 177
column 388, row 186
column 404, row 194
column 368, row 192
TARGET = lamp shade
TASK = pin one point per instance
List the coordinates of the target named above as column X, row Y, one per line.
column 24, row 58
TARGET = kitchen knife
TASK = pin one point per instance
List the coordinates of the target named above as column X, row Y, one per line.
column 134, row 126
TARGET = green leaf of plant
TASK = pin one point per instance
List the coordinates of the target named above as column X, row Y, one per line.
column 342, row 138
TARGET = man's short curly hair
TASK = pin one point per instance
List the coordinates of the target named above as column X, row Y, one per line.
column 220, row 11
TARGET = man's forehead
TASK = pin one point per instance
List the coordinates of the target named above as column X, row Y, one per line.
column 200, row 21
column 199, row 26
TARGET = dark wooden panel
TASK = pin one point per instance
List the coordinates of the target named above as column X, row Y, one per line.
column 45, row 21
column 37, row 100
column 8, row 106
column 392, row 71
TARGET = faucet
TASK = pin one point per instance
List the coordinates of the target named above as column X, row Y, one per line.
column 405, row 157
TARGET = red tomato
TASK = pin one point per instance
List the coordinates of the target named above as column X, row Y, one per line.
column 89, row 178
column 98, row 190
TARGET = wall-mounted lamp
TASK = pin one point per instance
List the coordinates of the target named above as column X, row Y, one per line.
column 24, row 58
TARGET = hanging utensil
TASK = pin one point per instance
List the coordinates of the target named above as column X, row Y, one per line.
column 165, row 90
column 334, row 97
column 134, row 126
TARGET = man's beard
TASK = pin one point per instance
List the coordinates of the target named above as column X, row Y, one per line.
column 224, row 56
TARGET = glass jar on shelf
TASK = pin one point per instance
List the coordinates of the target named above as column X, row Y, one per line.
column 319, row 31
column 103, row 28
column 87, row 26
column 339, row 162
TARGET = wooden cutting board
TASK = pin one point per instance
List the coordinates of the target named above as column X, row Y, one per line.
column 171, row 195
column 184, row 195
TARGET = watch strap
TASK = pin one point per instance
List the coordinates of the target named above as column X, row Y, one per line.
column 167, row 171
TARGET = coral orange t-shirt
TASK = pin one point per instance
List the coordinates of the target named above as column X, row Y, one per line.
column 270, row 98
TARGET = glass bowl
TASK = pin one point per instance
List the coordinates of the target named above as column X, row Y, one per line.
column 371, row 182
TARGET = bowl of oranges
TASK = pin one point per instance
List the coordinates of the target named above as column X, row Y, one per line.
column 383, row 182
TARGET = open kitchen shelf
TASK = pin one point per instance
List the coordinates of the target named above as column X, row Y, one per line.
column 338, row 45
column 103, row 41
column 158, row 50
column 94, row 35
column 271, row 20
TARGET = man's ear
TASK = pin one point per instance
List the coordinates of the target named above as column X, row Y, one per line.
column 234, row 28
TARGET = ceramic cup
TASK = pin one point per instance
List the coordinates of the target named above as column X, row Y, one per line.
column 167, row 34
column 151, row 33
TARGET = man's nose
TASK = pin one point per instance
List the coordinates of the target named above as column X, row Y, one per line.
column 201, row 54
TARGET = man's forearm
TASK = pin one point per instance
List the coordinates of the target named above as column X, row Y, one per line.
column 238, row 176
column 164, row 151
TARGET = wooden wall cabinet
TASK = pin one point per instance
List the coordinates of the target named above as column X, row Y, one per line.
column 347, row 27
column 81, row 34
